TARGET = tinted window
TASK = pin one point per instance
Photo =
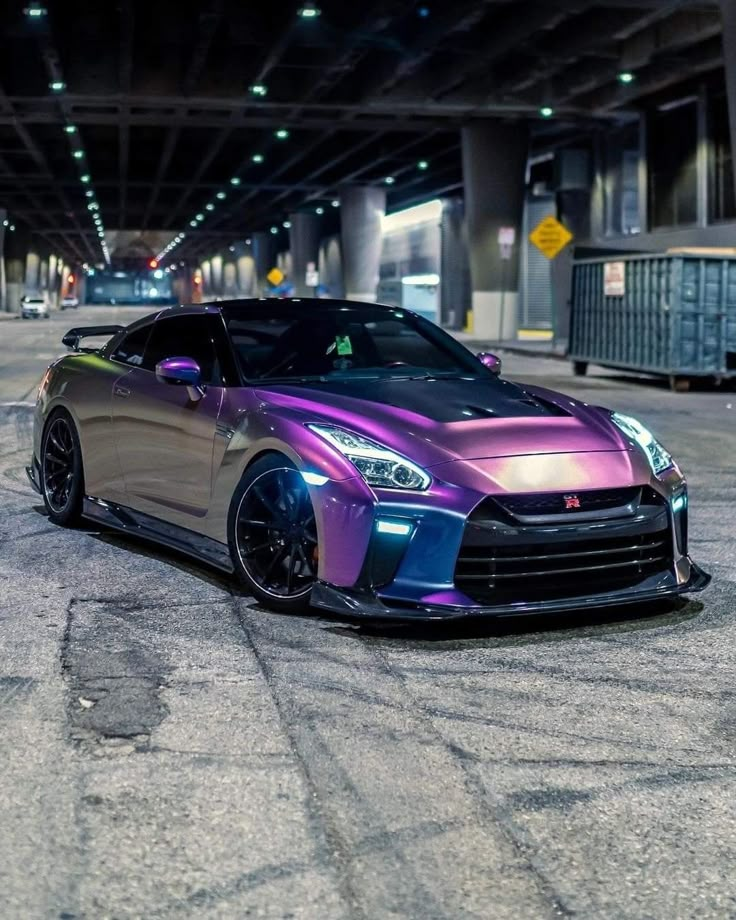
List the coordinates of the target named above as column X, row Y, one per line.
column 303, row 340
column 131, row 348
column 185, row 337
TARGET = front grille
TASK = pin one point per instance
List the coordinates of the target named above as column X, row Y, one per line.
column 537, row 571
column 505, row 562
column 570, row 502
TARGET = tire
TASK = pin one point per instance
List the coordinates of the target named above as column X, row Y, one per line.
column 580, row 368
column 272, row 535
column 62, row 475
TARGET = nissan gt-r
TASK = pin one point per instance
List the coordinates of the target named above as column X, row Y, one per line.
column 356, row 458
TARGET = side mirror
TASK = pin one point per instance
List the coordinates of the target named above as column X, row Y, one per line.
column 181, row 372
column 492, row 362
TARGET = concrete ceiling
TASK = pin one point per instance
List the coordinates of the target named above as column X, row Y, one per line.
column 154, row 98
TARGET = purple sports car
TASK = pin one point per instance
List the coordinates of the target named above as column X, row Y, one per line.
column 355, row 457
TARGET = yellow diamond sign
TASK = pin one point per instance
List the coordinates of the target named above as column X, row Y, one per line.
column 550, row 236
column 275, row 276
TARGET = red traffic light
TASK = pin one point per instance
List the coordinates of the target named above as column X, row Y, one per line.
column 153, row 263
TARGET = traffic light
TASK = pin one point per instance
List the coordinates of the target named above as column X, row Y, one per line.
column 153, row 263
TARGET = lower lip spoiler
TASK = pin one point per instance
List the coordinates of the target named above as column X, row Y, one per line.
column 32, row 474
column 367, row 605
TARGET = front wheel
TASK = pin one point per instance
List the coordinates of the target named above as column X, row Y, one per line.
column 273, row 535
column 62, row 477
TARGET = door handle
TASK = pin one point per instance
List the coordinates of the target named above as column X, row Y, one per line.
column 122, row 392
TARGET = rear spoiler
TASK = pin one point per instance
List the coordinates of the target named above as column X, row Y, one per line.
column 75, row 336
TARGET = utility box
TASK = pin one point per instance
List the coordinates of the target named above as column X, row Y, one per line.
column 672, row 314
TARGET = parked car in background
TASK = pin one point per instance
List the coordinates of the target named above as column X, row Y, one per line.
column 69, row 302
column 34, row 306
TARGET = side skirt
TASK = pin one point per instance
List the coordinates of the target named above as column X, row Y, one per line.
column 137, row 524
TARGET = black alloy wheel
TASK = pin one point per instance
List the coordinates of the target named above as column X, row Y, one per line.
column 61, row 470
column 274, row 535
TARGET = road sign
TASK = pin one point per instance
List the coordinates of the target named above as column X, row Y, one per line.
column 275, row 276
column 506, row 241
column 550, row 236
column 614, row 279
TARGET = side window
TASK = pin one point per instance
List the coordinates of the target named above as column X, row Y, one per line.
column 185, row 337
column 131, row 349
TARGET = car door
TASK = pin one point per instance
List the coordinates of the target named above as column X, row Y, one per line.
column 164, row 433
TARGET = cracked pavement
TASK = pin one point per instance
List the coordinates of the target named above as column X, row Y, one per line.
column 168, row 749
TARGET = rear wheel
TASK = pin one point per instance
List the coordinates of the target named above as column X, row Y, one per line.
column 273, row 535
column 62, row 477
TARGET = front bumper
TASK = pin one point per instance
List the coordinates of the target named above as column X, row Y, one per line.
column 356, row 603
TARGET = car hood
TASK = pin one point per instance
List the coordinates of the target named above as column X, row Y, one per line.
column 438, row 420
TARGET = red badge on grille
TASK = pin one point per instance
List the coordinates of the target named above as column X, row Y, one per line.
column 571, row 502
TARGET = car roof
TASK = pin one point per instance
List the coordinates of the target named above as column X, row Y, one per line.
column 321, row 304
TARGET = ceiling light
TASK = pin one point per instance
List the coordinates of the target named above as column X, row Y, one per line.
column 192, row 223
column 78, row 154
column 209, row 206
column 235, row 181
column 423, row 12
column 84, row 178
column 93, row 206
column 221, row 195
column 389, row 180
column 319, row 210
column 89, row 193
column 35, row 11
column 199, row 216
column 286, row 224
column 274, row 229
column 57, row 86
column 257, row 158
column 259, row 89
column 546, row 111
column 335, row 203
column 422, row 164
column 11, row 227
column 70, row 129
column 626, row 76
column 309, row 11
column 281, row 134
column 6, row 223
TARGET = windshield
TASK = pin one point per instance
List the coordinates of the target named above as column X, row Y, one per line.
column 275, row 341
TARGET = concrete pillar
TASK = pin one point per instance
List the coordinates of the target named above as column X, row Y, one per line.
column 330, row 268
column 728, row 15
column 33, row 271
column 494, row 166
column 264, row 257
column 574, row 211
column 206, row 269
column 361, row 210
column 230, row 278
column 454, row 268
column 15, row 248
column 246, row 275
column 217, row 280
column 304, row 242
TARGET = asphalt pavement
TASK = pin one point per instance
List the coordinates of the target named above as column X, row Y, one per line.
column 168, row 749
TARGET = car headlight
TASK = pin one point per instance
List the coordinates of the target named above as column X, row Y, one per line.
column 378, row 465
column 659, row 459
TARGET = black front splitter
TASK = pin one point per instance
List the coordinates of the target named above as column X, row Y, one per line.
column 351, row 603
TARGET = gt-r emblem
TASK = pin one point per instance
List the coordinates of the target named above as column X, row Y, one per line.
column 571, row 502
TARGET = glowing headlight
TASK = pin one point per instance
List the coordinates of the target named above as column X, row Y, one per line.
column 378, row 465
column 659, row 459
